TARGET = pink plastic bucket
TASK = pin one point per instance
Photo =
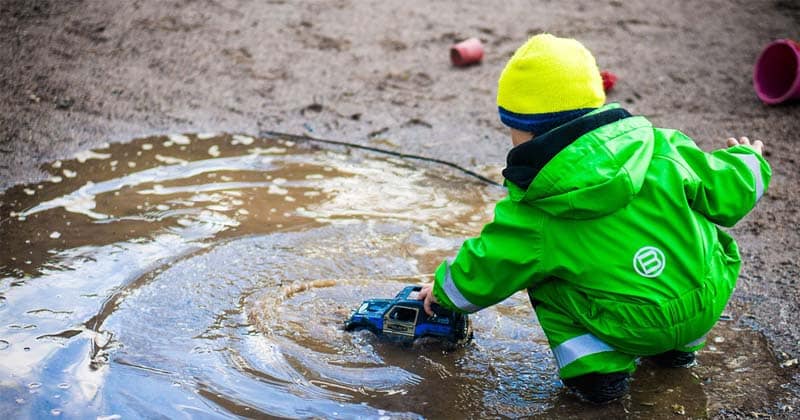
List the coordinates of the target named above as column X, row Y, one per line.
column 466, row 52
column 776, row 77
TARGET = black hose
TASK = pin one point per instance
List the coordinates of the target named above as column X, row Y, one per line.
column 296, row 137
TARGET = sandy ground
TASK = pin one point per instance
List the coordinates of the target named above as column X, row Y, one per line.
column 77, row 74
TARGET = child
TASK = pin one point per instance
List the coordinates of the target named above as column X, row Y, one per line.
column 610, row 224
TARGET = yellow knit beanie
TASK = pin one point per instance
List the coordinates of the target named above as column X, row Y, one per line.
column 548, row 75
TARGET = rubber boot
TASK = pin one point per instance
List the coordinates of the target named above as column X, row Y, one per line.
column 674, row 359
column 599, row 388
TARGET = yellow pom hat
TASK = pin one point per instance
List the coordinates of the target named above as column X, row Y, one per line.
column 547, row 79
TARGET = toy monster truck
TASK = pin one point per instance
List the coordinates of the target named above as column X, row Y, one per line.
column 404, row 319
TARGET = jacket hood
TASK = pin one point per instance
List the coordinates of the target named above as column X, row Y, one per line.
column 587, row 168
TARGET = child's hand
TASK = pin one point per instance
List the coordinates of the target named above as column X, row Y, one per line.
column 758, row 145
column 427, row 294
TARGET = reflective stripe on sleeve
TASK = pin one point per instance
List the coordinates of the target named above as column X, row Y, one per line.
column 455, row 295
column 577, row 347
column 755, row 167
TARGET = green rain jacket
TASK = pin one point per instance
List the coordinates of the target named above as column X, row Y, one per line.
column 622, row 219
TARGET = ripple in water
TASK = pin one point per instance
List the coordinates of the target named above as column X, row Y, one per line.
column 209, row 275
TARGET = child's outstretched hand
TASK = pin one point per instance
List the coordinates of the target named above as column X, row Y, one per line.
column 427, row 294
column 758, row 145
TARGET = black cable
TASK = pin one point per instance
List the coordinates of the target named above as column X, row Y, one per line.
column 296, row 137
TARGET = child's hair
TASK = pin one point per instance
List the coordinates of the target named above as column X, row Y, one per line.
column 547, row 81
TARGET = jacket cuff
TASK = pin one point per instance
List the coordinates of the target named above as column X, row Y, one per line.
column 438, row 291
column 447, row 294
column 755, row 163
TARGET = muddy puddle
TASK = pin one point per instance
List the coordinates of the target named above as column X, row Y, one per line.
column 209, row 276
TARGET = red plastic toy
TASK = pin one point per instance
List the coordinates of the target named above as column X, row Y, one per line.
column 609, row 79
column 466, row 52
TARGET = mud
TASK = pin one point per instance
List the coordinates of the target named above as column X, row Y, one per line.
column 77, row 74
column 144, row 261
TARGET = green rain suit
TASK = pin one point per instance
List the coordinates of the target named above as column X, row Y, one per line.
column 612, row 227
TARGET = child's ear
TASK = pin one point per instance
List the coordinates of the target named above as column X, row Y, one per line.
column 518, row 136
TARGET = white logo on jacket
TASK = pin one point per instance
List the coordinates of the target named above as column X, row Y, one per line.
column 649, row 261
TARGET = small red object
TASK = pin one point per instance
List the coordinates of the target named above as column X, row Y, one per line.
column 466, row 52
column 609, row 79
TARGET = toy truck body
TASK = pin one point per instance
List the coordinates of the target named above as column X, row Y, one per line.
column 403, row 318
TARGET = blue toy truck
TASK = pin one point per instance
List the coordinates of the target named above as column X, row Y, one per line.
column 404, row 319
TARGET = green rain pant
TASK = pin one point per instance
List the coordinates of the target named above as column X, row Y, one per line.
column 596, row 335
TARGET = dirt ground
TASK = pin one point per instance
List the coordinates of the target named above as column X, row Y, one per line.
column 77, row 74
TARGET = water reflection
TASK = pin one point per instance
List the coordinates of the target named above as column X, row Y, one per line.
column 137, row 276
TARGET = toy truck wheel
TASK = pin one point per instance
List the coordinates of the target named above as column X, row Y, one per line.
column 465, row 333
column 355, row 326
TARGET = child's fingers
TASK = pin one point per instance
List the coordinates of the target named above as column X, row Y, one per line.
column 426, row 295
column 427, row 306
column 757, row 144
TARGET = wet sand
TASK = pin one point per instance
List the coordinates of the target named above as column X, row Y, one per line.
column 77, row 74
